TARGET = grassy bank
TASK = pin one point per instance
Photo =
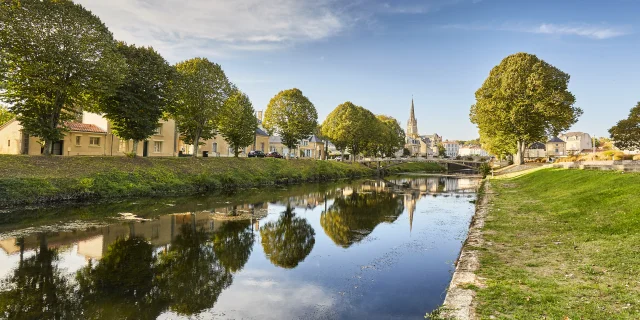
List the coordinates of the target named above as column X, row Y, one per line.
column 562, row 244
column 28, row 180
column 40, row 180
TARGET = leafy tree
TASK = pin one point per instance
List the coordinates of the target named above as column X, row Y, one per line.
column 442, row 151
column 200, row 91
column 233, row 244
column 5, row 115
column 626, row 133
column 291, row 116
column 190, row 274
column 55, row 58
column 406, row 152
column 237, row 121
column 392, row 136
column 350, row 219
column 37, row 289
column 143, row 96
column 523, row 100
column 288, row 241
column 351, row 126
column 122, row 285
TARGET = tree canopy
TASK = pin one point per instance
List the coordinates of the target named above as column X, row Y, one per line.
column 143, row 96
column 351, row 126
column 5, row 115
column 392, row 136
column 291, row 116
column 56, row 58
column 523, row 100
column 201, row 89
column 288, row 241
column 237, row 122
column 626, row 133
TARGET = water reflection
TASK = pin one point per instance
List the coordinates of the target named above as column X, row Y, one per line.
column 181, row 264
column 287, row 241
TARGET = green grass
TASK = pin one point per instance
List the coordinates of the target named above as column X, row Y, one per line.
column 37, row 179
column 562, row 244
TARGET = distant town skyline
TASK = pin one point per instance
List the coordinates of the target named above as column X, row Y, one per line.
column 379, row 54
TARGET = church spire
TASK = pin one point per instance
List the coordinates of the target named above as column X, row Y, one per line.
column 413, row 114
column 412, row 124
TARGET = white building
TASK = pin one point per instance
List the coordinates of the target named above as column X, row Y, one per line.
column 472, row 151
column 576, row 142
column 452, row 148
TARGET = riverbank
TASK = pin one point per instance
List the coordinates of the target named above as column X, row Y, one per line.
column 560, row 244
column 36, row 180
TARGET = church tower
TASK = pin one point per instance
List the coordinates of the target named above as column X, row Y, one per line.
column 412, row 124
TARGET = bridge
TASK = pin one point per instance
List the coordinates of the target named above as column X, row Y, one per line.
column 382, row 164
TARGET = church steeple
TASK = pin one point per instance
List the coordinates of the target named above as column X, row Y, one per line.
column 412, row 124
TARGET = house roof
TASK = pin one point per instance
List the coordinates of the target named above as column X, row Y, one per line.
column 571, row 134
column 84, row 127
column 555, row 139
column 537, row 145
column 315, row 138
column 261, row 132
column 7, row 123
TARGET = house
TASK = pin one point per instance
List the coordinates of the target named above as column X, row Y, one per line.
column 451, row 148
column 413, row 145
column 556, row 147
column 426, row 149
column 219, row 147
column 576, row 142
column 435, row 140
column 471, row 151
column 310, row 148
column 536, row 150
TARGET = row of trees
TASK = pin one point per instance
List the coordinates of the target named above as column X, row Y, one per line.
column 358, row 130
column 58, row 59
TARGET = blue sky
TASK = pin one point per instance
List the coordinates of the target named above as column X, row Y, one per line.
column 378, row 54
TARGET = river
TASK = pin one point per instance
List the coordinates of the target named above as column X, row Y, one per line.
column 369, row 249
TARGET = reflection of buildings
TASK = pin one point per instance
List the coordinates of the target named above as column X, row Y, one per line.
column 438, row 185
column 93, row 242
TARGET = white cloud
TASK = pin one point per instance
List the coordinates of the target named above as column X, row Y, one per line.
column 590, row 31
column 175, row 26
column 583, row 30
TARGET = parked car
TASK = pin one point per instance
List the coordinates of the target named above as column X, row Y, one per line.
column 274, row 154
column 256, row 154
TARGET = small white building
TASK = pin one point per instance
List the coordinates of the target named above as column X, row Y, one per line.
column 452, row 148
column 576, row 142
column 471, row 151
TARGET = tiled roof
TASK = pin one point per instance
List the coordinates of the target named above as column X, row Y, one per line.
column 555, row 139
column 537, row 145
column 84, row 127
column 7, row 123
column 571, row 134
column 261, row 132
column 314, row 138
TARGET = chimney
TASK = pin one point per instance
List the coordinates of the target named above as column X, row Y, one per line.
column 259, row 115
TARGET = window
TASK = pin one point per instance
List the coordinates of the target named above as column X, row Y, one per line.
column 94, row 141
column 557, row 151
column 305, row 143
column 78, row 140
column 215, row 147
column 262, row 146
column 158, row 130
column 157, row 146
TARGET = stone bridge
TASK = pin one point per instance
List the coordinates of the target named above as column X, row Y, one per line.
column 382, row 164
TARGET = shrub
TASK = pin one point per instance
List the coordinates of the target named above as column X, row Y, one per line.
column 636, row 157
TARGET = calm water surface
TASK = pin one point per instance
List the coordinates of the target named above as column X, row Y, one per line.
column 375, row 249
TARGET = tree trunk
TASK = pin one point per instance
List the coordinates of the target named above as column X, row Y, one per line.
column 196, row 143
column 518, row 158
column 134, row 149
column 48, row 147
column 236, row 152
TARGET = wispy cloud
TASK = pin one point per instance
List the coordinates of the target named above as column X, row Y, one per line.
column 598, row 32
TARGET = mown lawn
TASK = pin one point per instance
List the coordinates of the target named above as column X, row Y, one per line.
column 562, row 244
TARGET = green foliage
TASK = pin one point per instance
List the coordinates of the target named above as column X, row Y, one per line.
column 56, row 59
column 442, row 151
column 626, row 133
column 391, row 136
column 233, row 244
column 523, row 100
column 406, row 152
column 237, row 122
column 485, row 169
column 288, row 241
column 291, row 116
column 140, row 100
column 351, row 127
column 5, row 115
column 201, row 89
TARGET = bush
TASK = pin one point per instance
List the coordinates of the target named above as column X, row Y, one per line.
column 636, row 157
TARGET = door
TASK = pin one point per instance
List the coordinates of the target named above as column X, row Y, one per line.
column 57, row 148
column 25, row 143
column 145, row 149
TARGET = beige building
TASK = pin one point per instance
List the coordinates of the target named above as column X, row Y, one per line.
column 556, row 147
column 311, row 148
column 576, row 142
column 536, row 150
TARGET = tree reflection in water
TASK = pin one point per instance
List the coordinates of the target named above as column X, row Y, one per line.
column 122, row 285
column 190, row 273
column 352, row 218
column 37, row 289
column 288, row 241
column 233, row 244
